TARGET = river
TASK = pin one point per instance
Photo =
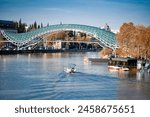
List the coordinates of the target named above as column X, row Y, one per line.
column 40, row 76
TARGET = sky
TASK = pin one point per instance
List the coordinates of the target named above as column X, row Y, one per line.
column 87, row 12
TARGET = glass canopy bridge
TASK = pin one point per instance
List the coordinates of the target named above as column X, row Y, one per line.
column 104, row 37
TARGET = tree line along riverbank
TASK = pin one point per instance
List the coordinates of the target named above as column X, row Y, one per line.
column 133, row 41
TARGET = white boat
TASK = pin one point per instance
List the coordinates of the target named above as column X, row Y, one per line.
column 70, row 69
column 124, row 69
column 113, row 67
column 122, row 64
column 116, row 68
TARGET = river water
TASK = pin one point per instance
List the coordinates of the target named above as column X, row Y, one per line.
column 41, row 76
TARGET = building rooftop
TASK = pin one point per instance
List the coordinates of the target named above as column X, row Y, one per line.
column 6, row 22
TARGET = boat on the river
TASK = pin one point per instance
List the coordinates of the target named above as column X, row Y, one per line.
column 115, row 67
column 70, row 69
column 124, row 69
column 118, row 68
column 122, row 64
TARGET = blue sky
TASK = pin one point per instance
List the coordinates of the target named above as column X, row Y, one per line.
column 88, row 12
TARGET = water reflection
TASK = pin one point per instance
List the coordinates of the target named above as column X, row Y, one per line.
column 41, row 76
column 133, row 85
column 145, row 76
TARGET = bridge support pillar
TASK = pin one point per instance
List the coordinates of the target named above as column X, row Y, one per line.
column 80, row 46
column 87, row 46
column 18, row 48
column 45, row 44
column 67, row 46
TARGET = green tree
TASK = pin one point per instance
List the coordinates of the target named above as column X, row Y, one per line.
column 21, row 26
column 41, row 25
column 35, row 25
column 38, row 26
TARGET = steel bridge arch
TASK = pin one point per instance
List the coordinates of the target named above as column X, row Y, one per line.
column 105, row 38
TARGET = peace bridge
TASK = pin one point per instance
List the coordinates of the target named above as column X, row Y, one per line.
column 104, row 38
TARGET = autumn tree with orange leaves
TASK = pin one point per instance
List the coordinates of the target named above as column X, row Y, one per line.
column 133, row 41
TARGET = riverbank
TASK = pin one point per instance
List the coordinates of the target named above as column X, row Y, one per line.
column 7, row 52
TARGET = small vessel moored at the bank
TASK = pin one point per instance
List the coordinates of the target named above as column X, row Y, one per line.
column 114, row 67
column 117, row 68
column 122, row 64
column 124, row 69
